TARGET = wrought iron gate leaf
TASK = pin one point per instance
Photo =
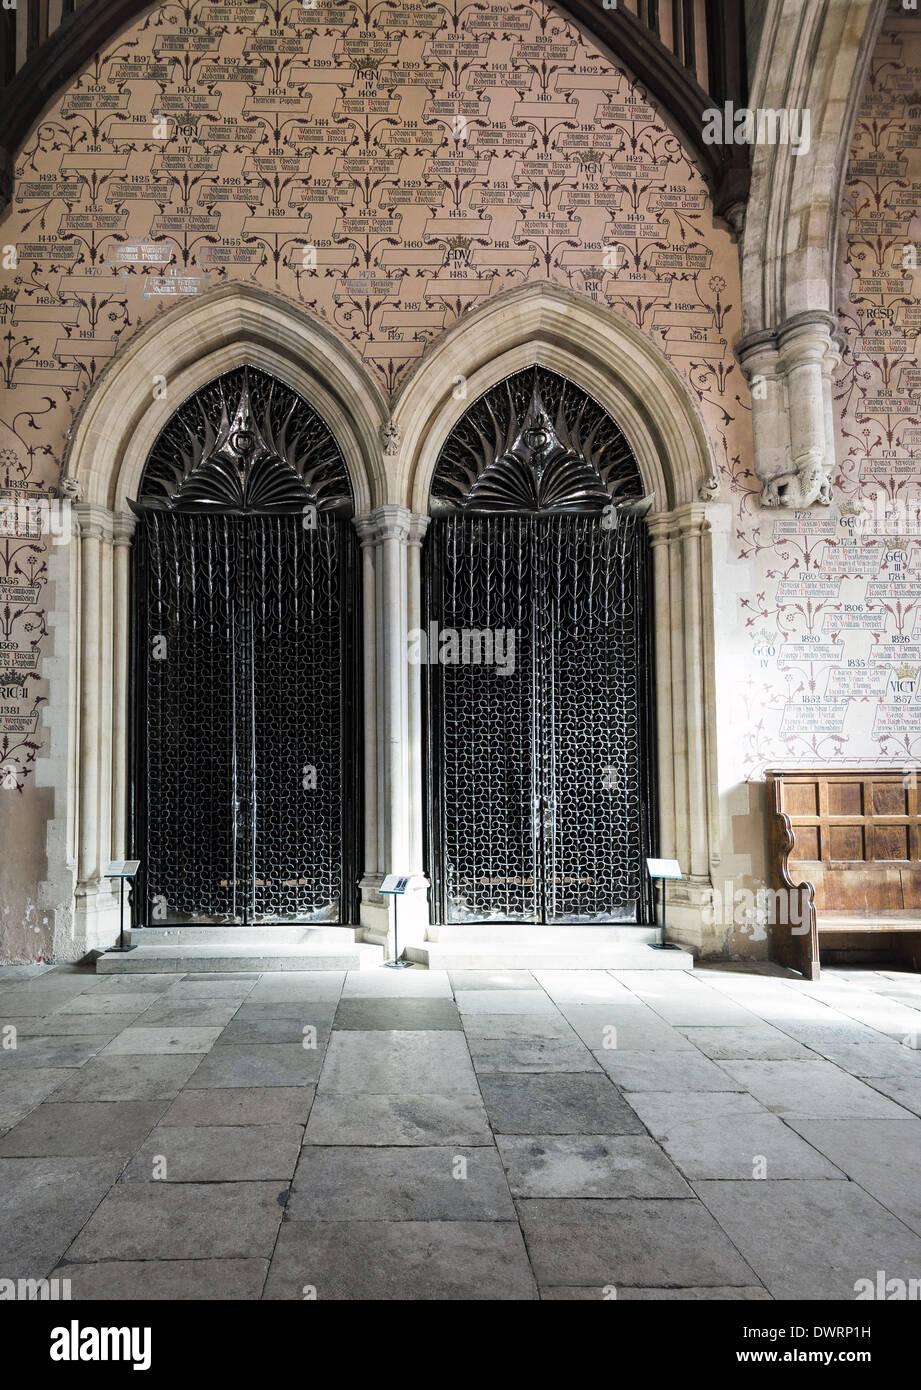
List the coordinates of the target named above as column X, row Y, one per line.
column 540, row 777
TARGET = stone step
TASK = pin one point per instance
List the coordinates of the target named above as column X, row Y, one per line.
column 302, row 934
column 504, row 955
column 193, row 958
column 527, row 934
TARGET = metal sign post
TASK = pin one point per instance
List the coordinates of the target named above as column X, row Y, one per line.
column 122, row 869
column 663, row 869
column 395, row 885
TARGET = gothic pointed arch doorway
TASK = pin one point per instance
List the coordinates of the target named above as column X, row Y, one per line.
column 538, row 662
column 244, row 805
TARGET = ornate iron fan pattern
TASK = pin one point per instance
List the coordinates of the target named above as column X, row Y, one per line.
column 535, row 443
column 246, row 443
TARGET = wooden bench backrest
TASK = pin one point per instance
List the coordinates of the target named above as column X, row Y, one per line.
column 856, row 836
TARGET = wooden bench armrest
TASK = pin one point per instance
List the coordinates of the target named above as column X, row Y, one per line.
column 795, row 941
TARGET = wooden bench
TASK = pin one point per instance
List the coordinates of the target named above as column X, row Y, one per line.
column 845, row 866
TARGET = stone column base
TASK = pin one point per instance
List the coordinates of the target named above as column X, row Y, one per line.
column 96, row 918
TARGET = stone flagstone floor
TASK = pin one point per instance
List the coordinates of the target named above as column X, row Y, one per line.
column 735, row 1133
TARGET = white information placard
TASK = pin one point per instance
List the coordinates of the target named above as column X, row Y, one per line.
column 394, row 883
column 663, row 868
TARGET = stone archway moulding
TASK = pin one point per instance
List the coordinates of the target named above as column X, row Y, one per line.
column 190, row 345
column 145, row 384
column 625, row 373
column 391, row 456
column 585, row 341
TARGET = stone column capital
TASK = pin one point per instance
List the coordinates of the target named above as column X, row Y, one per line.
column 125, row 525
column 757, row 354
column 807, row 337
column 386, row 523
column 96, row 522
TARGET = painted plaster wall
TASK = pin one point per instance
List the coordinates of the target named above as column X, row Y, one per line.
column 820, row 652
column 426, row 157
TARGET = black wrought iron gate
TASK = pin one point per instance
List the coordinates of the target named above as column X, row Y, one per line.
column 538, row 662
column 246, row 802
column 245, row 671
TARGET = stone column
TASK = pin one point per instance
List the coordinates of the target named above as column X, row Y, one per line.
column 659, row 539
column 688, row 820
column 366, row 529
column 790, row 373
column 125, row 523
column 693, row 520
column 395, row 535
column 96, row 914
column 417, row 528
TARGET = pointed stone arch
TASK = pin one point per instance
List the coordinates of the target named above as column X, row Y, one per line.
column 632, row 381
column 151, row 376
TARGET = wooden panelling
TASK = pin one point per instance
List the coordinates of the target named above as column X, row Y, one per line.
column 855, row 836
column 845, row 798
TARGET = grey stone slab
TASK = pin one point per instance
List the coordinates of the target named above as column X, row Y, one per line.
column 398, row 1062
column 397, row 1119
column 428, row 1183
column 289, row 1028
column 504, row 1001
column 182, row 1221
column 632, row 1026
column 62, row 1025
column 413, row 1015
column 295, row 985
column 135, row 983
column 258, row 1064
column 812, row 1240
column 758, row 1043
column 415, row 983
column 128, row 1078
column 200, row 1013
column 733, row 1144
column 657, row 1071
column 211, row 988
column 898, row 1088
column 402, row 1260
column 811, row 1089
column 217, row 1153
column 664, row 1111
column 629, row 1240
column 633, row 1295
column 588, row 1165
column 838, row 1030
column 491, row 1055
column 23, row 1004
column 96, row 1002
column 883, row 1156
column 82, row 1129
column 242, row 1105
column 477, row 980
column 144, row 1041
column 885, row 1058
column 230, row 1280
column 582, row 986
column 543, row 1026
column 884, row 1015
column 579, row 1103
column 683, row 999
column 45, row 1203
column 21, row 1091
column 47, row 1051
column 60, row 978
